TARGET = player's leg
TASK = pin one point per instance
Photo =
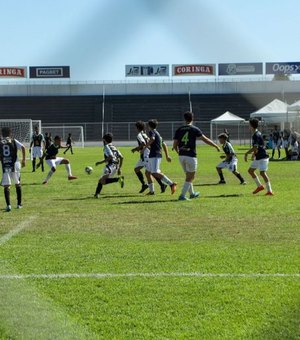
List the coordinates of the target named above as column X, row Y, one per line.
column 263, row 167
column 139, row 166
column 33, row 164
column 150, row 182
column 101, row 182
column 67, row 149
column 189, row 166
column 219, row 168
column 233, row 168
column 251, row 171
column 6, row 183
column 155, row 171
column 278, row 149
column 19, row 195
column 68, row 167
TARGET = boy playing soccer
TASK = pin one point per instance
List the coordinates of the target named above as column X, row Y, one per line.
column 53, row 161
column 38, row 146
column 69, row 144
column 113, row 160
column 230, row 161
column 260, row 158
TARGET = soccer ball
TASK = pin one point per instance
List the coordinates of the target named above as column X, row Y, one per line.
column 88, row 170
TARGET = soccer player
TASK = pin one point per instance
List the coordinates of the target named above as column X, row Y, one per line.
column 260, row 158
column 113, row 160
column 69, row 144
column 144, row 151
column 230, row 161
column 52, row 160
column 184, row 143
column 9, row 158
column 156, row 144
column 38, row 146
column 276, row 142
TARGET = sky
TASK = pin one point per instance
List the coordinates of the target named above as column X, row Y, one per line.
column 97, row 38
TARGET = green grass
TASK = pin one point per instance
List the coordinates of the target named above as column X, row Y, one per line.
column 226, row 231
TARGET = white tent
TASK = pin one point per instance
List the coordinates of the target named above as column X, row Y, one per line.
column 294, row 107
column 274, row 112
column 226, row 118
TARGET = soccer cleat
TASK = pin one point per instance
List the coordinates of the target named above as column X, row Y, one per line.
column 173, row 188
column 70, row 178
column 269, row 193
column 45, row 182
column 243, row 183
column 96, row 196
column 222, row 181
column 183, row 198
column 8, row 208
column 163, row 188
column 194, row 195
column 144, row 187
column 150, row 193
column 258, row 189
column 19, row 206
column 121, row 181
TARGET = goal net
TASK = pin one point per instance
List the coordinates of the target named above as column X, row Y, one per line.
column 22, row 129
column 63, row 131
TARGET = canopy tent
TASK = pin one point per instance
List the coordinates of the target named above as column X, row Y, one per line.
column 226, row 119
column 275, row 112
column 294, row 107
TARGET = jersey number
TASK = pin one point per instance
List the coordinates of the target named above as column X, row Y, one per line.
column 185, row 138
column 6, row 150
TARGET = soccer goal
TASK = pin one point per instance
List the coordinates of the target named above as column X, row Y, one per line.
column 22, row 129
column 63, row 132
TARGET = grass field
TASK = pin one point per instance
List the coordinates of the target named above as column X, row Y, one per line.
column 128, row 266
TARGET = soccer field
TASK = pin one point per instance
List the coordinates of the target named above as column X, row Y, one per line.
column 130, row 266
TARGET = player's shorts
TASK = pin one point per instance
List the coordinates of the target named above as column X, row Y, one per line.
column 10, row 177
column 231, row 166
column 260, row 164
column 37, row 152
column 110, row 170
column 276, row 144
column 189, row 164
column 140, row 164
column 285, row 144
column 54, row 162
column 143, row 164
column 154, row 165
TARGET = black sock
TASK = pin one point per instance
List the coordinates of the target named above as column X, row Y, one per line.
column 240, row 178
column 33, row 164
column 42, row 165
column 7, row 195
column 19, row 195
column 99, row 188
column 221, row 176
column 112, row 180
column 140, row 177
column 158, row 180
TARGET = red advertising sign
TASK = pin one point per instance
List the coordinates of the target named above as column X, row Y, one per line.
column 13, row 72
column 194, row 70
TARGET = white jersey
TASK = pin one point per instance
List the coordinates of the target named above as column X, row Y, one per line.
column 143, row 139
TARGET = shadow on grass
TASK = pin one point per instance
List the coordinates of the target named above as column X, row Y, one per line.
column 35, row 183
column 147, row 202
column 205, row 184
column 223, row 196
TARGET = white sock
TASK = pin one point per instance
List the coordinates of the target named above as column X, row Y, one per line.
column 191, row 189
column 166, row 180
column 268, row 185
column 151, row 187
column 257, row 181
column 68, row 168
column 185, row 188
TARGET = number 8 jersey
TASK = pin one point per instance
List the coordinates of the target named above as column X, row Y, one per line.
column 8, row 154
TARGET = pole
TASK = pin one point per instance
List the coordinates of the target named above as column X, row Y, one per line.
column 103, row 111
column 190, row 102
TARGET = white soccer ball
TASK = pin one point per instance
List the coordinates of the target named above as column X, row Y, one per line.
column 88, row 170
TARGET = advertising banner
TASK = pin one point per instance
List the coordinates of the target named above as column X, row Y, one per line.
column 240, row 69
column 13, row 72
column 49, row 72
column 194, row 70
column 146, row 70
column 283, row 68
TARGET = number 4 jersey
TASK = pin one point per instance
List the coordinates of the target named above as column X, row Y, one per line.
column 187, row 136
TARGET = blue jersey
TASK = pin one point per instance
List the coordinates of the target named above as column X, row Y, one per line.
column 156, row 146
column 187, row 136
column 258, row 142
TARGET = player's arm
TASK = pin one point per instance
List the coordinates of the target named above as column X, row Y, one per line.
column 208, row 141
column 103, row 161
column 166, row 151
column 23, row 151
column 138, row 148
column 175, row 145
column 253, row 150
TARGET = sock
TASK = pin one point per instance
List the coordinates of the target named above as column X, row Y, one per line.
column 278, row 153
column 191, row 189
column 166, row 180
column 50, row 173
column 112, row 180
column 19, row 195
column 140, row 177
column 268, row 185
column 7, row 195
column 221, row 176
column 185, row 188
column 33, row 164
column 151, row 187
column 68, row 168
column 158, row 180
column 98, row 189
column 240, row 177
column 257, row 181
column 42, row 165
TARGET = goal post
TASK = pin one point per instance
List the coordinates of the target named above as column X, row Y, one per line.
column 63, row 131
column 22, row 129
